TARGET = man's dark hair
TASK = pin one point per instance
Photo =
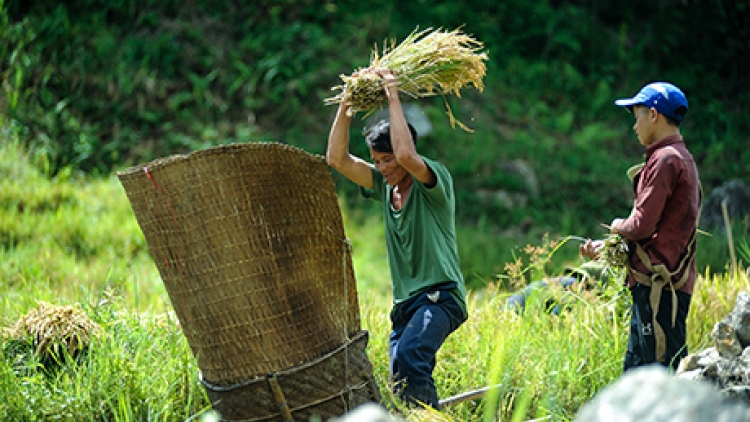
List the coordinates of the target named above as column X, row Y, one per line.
column 378, row 136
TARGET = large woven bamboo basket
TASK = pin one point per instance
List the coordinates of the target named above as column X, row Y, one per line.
column 249, row 242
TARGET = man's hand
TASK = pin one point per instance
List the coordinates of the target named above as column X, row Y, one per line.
column 390, row 81
column 591, row 249
column 345, row 109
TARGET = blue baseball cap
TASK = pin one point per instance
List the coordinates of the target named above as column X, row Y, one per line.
column 666, row 98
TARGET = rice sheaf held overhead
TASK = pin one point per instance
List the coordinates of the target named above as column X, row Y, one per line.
column 427, row 63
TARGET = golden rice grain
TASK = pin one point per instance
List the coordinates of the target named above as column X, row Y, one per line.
column 51, row 329
column 427, row 63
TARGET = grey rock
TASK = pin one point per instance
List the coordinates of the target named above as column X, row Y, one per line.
column 725, row 340
column 694, row 375
column 653, row 394
column 743, row 328
column 739, row 318
column 708, row 356
column 689, row 363
column 727, row 364
column 736, row 194
column 368, row 412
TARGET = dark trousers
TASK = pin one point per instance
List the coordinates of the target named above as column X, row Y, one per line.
column 642, row 342
column 420, row 326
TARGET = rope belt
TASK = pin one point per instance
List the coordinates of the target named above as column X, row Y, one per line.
column 660, row 278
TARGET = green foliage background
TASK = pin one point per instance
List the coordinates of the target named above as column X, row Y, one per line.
column 90, row 87
column 97, row 85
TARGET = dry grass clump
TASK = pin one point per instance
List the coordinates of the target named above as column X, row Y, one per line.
column 427, row 63
column 50, row 329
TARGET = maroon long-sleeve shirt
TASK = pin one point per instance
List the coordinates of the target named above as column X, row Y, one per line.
column 666, row 208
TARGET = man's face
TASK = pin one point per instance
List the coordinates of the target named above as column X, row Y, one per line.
column 387, row 165
column 645, row 121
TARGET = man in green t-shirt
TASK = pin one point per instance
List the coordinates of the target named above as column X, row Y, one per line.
column 418, row 204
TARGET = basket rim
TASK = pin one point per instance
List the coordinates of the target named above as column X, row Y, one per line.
column 166, row 161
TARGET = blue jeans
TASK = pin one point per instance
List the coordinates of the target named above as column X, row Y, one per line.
column 420, row 326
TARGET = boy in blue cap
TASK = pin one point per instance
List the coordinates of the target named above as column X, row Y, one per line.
column 660, row 230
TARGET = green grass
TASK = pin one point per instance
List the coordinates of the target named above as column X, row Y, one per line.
column 140, row 370
column 75, row 240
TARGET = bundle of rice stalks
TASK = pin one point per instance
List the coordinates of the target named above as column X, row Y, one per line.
column 427, row 63
column 614, row 252
column 51, row 329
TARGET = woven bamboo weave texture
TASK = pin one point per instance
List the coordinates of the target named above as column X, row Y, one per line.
column 249, row 242
column 326, row 387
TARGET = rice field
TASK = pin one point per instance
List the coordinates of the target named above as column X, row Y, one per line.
column 71, row 245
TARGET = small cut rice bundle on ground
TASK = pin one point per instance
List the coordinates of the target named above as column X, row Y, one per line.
column 49, row 330
column 427, row 63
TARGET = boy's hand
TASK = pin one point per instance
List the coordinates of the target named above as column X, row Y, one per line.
column 615, row 226
column 591, row 249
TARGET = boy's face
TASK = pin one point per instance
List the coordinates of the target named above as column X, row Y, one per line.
column 387, row 165
column 645, row 124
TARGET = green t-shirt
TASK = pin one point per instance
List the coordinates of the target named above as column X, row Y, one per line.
column 421, row 237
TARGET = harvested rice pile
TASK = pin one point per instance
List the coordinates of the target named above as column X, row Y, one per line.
column 51, row 329
column 427, row 63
